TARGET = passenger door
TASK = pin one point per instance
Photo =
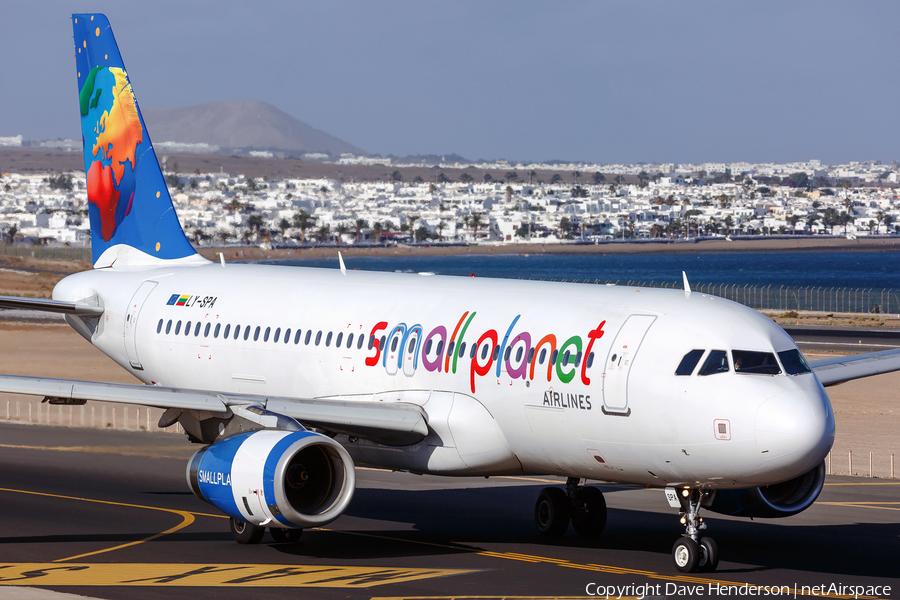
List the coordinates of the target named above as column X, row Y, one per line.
column 619, row 360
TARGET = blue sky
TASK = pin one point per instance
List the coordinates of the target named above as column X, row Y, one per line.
column 594, row 81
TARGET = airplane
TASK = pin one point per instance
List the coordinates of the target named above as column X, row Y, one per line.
column 291, row 377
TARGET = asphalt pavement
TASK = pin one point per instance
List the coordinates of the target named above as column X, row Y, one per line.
column 107, row 514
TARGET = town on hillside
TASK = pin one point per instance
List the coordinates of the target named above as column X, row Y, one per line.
column 556, row 203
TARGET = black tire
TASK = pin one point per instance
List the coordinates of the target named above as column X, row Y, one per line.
column 686, row 555
column 246, row 533
column 285, row 536
column 551, row 512
column 709, row 555
column 591, row 519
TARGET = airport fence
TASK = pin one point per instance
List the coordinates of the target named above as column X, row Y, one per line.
column 784, row 297
column 46, row 252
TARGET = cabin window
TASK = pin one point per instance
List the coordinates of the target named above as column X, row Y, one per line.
column 247, row 332
column 484, row 351
column 159, row 326
column 349, row 340
column 542, row 356
column 793, row 361
column 287, row 335
column 440, row 347
column 450, row 348
column 227, row 331
column 308, row 336
column 474, row 350
column 688, row 363
column 428, row 346
column 177, row 327
column 716, row 362
column 360, row 342
column 328, row 339
column 462, row 350
column 757, row 363
column 531, row 355
column 412, row 345
column 590, row 360
column 169, row 326
column 266, row 334
column 371, row 341
column 187, row 328
column 256, row 333
column 394, row 344
column 206, row 330
column 553, row 357
column 237, row 331
column 507, row 353
column 197, row 329
column 566, row 359
column 318, row 338
column 519, row 353
column 577, row 360
column 297, row 337
column 277, row 335
column 340, row 338
column 216, row 331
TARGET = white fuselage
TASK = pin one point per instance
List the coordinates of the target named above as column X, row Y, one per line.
column 620, row 415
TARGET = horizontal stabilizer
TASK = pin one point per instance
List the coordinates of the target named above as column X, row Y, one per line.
column 84, row 309
column 832, row 371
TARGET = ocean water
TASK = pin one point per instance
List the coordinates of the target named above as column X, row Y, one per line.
column 856, row 269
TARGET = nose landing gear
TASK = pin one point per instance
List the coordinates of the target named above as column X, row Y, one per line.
column 692, row 552
column 584, row 506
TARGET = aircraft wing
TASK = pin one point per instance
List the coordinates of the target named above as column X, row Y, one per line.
column 385, row 422
column 832, row 371
column 83, row 308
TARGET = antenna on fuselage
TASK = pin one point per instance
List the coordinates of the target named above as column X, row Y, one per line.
column 687, row 286
column 341, row 260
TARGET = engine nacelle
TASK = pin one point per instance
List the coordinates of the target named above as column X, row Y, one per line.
column 275, row 478
column 772, row 501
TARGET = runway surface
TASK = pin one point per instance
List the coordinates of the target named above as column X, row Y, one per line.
column 107, row 514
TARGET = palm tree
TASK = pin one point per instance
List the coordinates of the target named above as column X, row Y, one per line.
column 224, row 235
column 411, row 221
column 340, row 230
column 729, row 223
column 323, row 233
column 475, row 220
column 303, row 221
column 577, row 176
column 283, row 225
column 441, row 227
column 377, row 230
column 358, row 226
column 793, row 220
column 531, row 175
column 811, row 220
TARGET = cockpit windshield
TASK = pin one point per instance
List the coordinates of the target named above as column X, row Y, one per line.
column 758, row 363
column 793, row 361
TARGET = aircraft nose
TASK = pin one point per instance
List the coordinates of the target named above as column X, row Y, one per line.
column 795, row 430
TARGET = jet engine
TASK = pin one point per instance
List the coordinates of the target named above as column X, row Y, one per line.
column 273, row 478
column 772, row 501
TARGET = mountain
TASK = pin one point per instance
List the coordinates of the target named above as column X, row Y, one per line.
column 241, row 124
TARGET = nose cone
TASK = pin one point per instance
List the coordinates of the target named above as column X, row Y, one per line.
column 795, row 429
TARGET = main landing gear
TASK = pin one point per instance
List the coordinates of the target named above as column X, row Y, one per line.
column 248, row 533
column 583, row 506
column 691, row 552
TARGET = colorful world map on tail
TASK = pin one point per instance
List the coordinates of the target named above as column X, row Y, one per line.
column 111, row 128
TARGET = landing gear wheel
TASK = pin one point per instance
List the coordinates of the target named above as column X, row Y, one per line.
column 282, row 536
column 551, row 512
column 686, row 554
column 590, row 520
column 709, row 555
column 246, row 533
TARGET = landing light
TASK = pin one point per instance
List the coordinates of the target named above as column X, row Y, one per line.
column 685, row 493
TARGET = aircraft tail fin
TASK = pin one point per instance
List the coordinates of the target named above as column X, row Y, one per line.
column 133, row 221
